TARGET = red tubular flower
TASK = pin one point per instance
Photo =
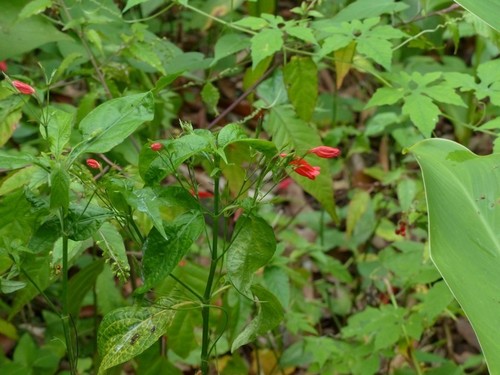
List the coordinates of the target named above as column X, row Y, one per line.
column 94, row 164
column 325, row 152
column 3, row 66
column 157, row 146
column 305, row 169
column 202, row 194
column 23, row 88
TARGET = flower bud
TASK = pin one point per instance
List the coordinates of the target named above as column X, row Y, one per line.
column 23, row 88
column 157, row 146
column 94, row 164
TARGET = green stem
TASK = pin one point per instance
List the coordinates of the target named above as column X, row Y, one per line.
column 205, row 310
column 65, row 306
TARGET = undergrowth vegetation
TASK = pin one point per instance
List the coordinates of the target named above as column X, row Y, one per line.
column 249, row 187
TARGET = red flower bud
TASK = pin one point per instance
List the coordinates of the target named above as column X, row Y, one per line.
column 325, row 152
column 3, row 66
column 23, row 88
column 202, row 194
column 157, row 146
column 94, row 164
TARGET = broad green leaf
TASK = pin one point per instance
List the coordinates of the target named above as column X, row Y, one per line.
column 162, row 255
column 148, row 201
column 22, row 35
column 385, row 96
column 290, row 132
column 110, row 241
column 422, row 111
column 210, row 95
column 301, row 79
column 8, row 329
column 266, row 43
column 254, row 23
column 34, row 7
column 229, row 134
column 303, row 33
column 181, row 333
column 126, row 332
column 81, row 284
column 59, row 188
column 10, row 114
column 59, row 130
column 487, row 10
column 230, row 44
column 464, row 215
column 252, row 248
column 109, row 124
column 270, row 314
column 83, row 220
column 17, row 179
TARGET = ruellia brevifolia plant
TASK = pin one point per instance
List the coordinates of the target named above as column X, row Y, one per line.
column 72, row 203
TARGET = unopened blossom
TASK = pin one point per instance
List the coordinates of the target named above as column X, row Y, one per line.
column 94, row 164
column 325, row 152
column 157, row 146
column 23, row 88
column 201, row 194
column 3, row 66
column 305, row 169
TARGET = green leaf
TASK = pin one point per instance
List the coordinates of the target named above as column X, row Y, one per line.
column 368, row 8
column 422, row 111
column 303, row 33
column 357, row 207
column 210, row 95
column 34, row 7
column 270, row 314
column 343, row 62
column 162, row 255
column 266, row 43
column 126, row 332
column 59, row 130
column 17, row 179
column 147, row 201
column 252, row 248
column 230, row 44
column 110, row 241
column 19, row 36
column 83, row 220
column 109, row 124
column 181, row 338
column 81, row 284
column 464, row 212
column 290, row 132
column 154, row 166
column 59, row 188
column 301, row 78
column 487, row 10
column 254, row 23
column 385, row 96
column 14, row 160
column 10, row 114
column 132, row 3
column 230, row 133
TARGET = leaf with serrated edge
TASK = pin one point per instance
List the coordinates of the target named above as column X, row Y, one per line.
column 301, row 78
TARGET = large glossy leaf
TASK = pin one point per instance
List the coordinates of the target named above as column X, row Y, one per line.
column 463, row 198
column 109, row 124
column 252, row 248
column 487, row 10
column 126, row 332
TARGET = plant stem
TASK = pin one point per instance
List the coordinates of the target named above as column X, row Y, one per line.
column 205, row 310
column 65, row 313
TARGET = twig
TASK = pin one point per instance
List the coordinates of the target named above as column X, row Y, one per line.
column 241, row 98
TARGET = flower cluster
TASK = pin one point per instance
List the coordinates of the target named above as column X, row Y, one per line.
column 302, row 167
